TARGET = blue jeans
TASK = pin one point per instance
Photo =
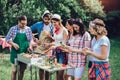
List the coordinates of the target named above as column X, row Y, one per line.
column 60, row 57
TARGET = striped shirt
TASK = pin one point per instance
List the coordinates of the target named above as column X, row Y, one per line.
column 79, row 42
column 15, row 29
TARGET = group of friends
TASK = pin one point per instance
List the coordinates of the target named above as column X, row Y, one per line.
column 77, row 45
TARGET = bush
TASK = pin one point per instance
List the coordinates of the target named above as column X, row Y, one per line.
column 113, row 23
column 33, row 9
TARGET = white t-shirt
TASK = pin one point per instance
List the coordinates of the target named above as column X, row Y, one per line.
column 59, row 37
column 96, row 47
column 47, row 27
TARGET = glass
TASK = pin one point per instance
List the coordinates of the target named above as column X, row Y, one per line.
column 23, row 23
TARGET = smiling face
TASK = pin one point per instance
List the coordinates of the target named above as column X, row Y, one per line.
column 69, row 27
column 56, row 24
column 91, row 30
column 46, row 20
column 76, row 28
column 22, row 23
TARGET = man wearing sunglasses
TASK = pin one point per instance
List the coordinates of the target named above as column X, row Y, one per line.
column 19, row 36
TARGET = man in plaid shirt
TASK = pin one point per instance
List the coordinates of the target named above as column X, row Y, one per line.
column 19, row 37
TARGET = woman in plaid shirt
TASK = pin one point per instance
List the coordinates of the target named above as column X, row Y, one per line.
column 99, row 67
column 81, row 39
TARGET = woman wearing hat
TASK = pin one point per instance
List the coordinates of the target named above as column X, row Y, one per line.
column 60, row 36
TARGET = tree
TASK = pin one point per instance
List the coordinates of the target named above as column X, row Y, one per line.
column 113, row 23
column 33, row 9
column 93, row 8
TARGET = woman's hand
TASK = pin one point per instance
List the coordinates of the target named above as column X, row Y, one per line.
column 66, row 48
column 51, row 48
column 87, row 52
column 47, row 44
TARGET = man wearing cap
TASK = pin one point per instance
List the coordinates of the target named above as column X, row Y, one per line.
column 44, row 25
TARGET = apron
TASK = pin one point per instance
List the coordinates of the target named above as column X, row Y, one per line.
column 21, row 40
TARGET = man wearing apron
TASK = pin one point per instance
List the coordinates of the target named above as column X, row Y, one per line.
column 19, row 37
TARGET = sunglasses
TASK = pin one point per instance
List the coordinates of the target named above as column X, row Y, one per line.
column 23, row 24
column 93, row 24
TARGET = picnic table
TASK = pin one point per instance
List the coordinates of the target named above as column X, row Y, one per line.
column 42, row 62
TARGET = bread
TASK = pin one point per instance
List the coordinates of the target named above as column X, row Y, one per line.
column 44, row 38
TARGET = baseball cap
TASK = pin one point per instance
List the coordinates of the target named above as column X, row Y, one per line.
column 46, row 12
column 56, row 16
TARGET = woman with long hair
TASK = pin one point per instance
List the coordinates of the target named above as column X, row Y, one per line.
column 81, row 39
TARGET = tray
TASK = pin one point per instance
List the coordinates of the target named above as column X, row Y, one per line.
column 28, row 60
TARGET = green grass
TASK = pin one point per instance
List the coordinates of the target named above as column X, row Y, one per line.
column 114, row 59
column 5, row 65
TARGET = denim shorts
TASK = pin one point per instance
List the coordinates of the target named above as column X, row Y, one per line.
column 60, row 57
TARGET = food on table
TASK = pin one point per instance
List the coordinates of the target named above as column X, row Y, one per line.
column 45, row 38
column 31, row 55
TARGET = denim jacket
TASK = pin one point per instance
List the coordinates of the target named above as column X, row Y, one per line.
column 39, row 27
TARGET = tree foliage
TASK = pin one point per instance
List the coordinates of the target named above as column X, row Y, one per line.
column 33, row 9
column 113, row 23
column 93, row 8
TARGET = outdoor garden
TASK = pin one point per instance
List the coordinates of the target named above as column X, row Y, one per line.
column 87, row 10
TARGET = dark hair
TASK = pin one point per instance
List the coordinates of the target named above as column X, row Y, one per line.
column 23, row 17
column 79, row 22
column 47, row 15
column 70, row 21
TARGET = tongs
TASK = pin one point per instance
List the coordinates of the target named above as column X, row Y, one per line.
column 30, row 51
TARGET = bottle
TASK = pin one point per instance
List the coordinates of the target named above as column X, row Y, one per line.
column 55, row 61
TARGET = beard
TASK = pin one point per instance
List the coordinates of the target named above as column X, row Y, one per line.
column 46, row 23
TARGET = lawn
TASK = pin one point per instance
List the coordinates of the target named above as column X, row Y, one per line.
column 5, row 66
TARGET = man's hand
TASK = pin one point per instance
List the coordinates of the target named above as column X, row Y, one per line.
column 16, row 46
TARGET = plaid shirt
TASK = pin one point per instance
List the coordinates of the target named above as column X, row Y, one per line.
column 78, row 42
column 14, row 30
